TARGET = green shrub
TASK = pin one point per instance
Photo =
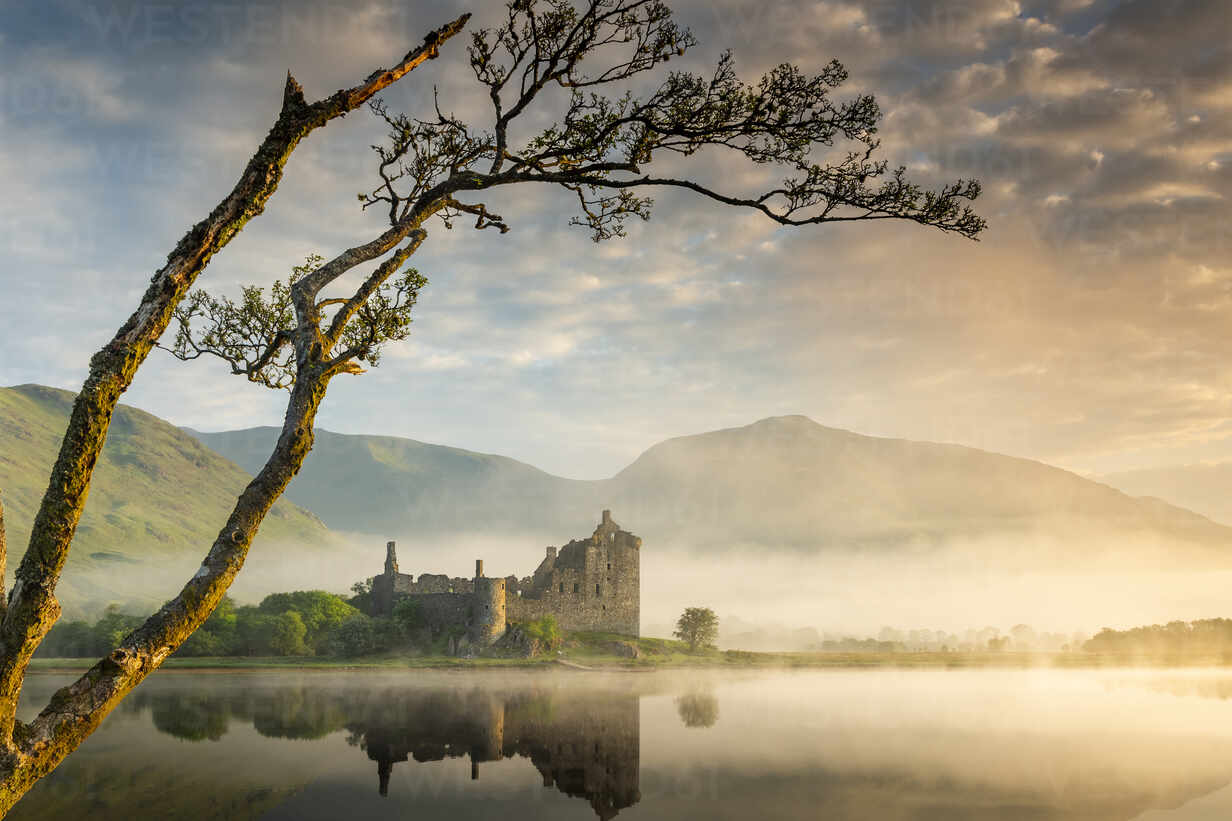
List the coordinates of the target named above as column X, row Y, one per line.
column 546, row 630
column 408, row 615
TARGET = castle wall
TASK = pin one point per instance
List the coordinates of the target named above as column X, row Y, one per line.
column 440, row 611
column 440, row 583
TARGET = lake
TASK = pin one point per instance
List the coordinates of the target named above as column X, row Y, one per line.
column 512, row 745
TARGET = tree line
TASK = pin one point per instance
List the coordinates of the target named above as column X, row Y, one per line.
column 302, row 623
column 1202, row 637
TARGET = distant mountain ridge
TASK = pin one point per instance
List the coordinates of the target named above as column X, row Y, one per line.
column 1203, row 488
column 783, row 483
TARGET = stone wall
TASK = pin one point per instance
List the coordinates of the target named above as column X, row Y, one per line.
column 440, row 611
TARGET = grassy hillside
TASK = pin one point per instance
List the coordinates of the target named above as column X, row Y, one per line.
column 157, row 501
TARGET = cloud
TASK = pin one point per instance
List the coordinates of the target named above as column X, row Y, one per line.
column 1088, row 328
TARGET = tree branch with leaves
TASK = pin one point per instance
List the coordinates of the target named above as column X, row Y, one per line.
column 550, row 54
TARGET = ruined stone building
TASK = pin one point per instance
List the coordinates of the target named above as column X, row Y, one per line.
column 589, row 584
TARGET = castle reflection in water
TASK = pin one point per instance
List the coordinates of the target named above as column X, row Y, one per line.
column 585, row 746
column 584, row 743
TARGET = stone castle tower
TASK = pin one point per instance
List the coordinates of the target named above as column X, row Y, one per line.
column 589, row 584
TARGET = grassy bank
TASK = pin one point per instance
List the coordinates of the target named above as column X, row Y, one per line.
column 612, row 652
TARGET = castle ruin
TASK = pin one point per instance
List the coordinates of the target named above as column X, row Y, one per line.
column 591, row 584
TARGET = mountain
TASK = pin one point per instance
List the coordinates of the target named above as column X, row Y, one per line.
column 156, row 503
column 388, row 485
column 1205, row 488
column 781, row 484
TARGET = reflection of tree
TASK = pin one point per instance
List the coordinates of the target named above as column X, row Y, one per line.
column 298, row 712
column 583, row 743
column 280, row 712
column 698, row 709
column 190, row 716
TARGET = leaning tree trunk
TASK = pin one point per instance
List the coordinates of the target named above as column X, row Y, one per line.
column 28, row 752
column 76, row 711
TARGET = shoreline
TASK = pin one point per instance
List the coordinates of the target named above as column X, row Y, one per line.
column 722, row 660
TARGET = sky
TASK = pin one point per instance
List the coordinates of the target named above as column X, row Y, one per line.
column 1089, row 327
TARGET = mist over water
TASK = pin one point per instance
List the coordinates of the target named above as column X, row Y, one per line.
column 840, row 592
column 1114, row 746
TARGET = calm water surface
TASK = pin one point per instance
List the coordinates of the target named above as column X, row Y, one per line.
column 875, row 745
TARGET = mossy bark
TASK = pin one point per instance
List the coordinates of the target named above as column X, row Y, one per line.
column 27, row 752
column 4, row 554
column 75, row 711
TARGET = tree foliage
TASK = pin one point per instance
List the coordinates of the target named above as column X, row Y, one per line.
column 254, row 335
column 304, row 622
column 319, row 611
column 698, row 627
column 1203, row 637
column 601, row 150
column 408, row 615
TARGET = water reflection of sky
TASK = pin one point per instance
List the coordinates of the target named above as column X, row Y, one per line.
column 923, row 746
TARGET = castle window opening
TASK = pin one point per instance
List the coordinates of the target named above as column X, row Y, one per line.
column 562, row 587
column 596, row 590
column 577, row 588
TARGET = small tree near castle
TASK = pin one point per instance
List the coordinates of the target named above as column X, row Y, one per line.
column 698, row 627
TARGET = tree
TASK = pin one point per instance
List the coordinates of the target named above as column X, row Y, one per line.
column 320, row 612
column 354, row 637
column 407, row 615
column 545, row 56
column 30, row 750
column 698, row 627
column 288, row 631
